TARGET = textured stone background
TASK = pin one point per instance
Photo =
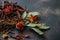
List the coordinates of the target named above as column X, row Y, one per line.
column 50, row 13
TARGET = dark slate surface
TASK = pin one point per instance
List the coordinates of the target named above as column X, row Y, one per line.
column 50, row 14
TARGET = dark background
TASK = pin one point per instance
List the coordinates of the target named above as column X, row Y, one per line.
column 50, row 14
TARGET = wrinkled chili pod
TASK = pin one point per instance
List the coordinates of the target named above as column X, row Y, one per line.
column 33, row 18
column 20, row 26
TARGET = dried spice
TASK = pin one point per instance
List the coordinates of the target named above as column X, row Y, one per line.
column 20, row 36
column 8, row 9
column 4, row 35
column 38, row 31
column 43, row 26
column 33, row 13
column 33, row 18
column 24, row 35
column 20, row 25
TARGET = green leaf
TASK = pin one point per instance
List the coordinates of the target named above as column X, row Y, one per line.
column 32, row 25
column 24, row 15
column 37, row 31
column 33, row 13
column 27, row 22
column 44, row 27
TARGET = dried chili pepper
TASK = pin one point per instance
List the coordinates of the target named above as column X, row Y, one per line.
column 20, row 26
column 32, row 18
column 8, row 9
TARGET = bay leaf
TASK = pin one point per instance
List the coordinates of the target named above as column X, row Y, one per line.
column 38, row 31
column 27, row 22
column 44, row 27
column 33, row 13
column 24, row 15
column 32, row 25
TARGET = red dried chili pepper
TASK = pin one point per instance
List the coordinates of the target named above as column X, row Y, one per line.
column 8, row 9
column 20, row 26
column 33, row 18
